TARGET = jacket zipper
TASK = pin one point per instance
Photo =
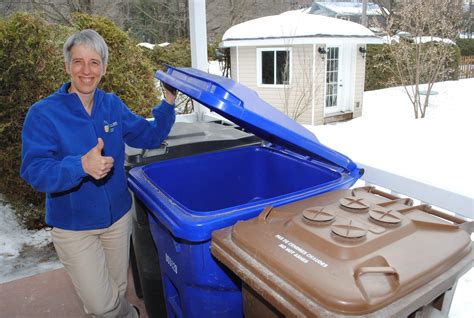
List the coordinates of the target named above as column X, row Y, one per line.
column 104, row 185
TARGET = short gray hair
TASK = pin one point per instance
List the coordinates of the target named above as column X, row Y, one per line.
column 89, row 38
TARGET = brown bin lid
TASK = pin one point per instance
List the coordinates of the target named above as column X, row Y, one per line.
column 344, row 261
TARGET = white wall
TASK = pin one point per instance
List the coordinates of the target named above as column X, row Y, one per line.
column 359, row 83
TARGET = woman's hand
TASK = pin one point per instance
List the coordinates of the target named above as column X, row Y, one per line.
column 96, row 165
column 169, row 93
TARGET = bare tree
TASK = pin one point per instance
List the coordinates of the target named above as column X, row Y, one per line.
column 59, row 11
column 298, row 96
column 155, row 20
column 470, row 26
column 421, row 56
column 222, row 14
column 364, row 13
column 159, row 20
column 386, row 11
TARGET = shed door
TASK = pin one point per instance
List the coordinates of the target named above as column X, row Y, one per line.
column 333, row 99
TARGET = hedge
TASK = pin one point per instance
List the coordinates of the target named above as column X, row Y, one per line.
column 466, row 46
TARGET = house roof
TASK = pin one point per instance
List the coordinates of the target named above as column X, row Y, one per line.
column 347, row 8
column 296, row 27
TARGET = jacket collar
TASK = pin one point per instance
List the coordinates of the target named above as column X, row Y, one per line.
column 73, row 101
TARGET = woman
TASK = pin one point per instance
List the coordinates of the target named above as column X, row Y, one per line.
column 73, row 150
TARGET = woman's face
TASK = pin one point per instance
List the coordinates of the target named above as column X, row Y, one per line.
column 86, row 69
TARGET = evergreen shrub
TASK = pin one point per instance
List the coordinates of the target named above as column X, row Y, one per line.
column 31, row 68
column 377, row 76
column 177, row 54
column 466, row 46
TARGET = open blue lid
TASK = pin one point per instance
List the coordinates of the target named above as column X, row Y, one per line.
column 245, row 108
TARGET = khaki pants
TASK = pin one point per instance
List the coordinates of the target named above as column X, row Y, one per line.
column 97, row 262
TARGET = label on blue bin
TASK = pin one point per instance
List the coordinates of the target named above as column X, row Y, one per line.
column 298, row 252
column 171, row 263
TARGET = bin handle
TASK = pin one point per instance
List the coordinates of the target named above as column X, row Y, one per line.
column 459, row 221
column 264, row 214
column 163, row 149
column 384, row 270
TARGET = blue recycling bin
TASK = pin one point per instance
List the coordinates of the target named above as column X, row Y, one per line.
column 185, row 139
column 188, row 198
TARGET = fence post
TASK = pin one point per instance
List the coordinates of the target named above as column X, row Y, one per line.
column 466, row 67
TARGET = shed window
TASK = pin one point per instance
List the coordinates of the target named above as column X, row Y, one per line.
column 274, row 67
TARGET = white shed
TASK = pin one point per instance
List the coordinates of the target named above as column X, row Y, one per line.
column 311, row 67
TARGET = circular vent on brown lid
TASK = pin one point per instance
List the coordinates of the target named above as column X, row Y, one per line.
column 385, row 216
column 318, row 215
column 349, row 230
column 354, row 204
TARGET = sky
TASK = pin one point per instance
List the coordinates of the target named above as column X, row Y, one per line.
column 436, row 150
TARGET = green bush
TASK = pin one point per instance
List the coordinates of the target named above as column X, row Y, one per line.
column 32, row 67
column 466, row 46
column 376, row 75
column 211, row 51
column 177, row 54
column 452, row 65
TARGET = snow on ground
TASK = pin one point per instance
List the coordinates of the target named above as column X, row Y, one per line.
column 436, row 150
column 214, row 67
column 22, row 252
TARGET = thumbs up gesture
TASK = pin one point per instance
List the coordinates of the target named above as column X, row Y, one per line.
column 96, row 165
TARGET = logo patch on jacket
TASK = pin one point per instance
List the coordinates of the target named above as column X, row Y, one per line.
column 109, row 127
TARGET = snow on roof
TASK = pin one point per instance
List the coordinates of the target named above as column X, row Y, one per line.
column 421, row 39
column 295, row 24
column 147, row 45
column 152, row 46
column 426, row 39
column 350, row 8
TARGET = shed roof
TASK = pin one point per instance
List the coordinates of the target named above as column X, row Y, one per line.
column 295, row 27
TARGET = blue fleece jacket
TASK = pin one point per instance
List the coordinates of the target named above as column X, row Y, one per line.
column 58, row 131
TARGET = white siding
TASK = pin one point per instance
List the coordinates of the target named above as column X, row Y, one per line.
column 320, row 74
column 359, row 84
column 247, row 68
column 295, row 99
column 233, row 63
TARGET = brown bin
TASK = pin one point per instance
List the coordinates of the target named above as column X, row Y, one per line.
column 345, row 253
